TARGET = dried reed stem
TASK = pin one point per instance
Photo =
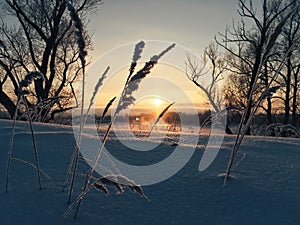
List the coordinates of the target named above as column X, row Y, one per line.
column 243, row 129
column 36, row 156
column 82, row 53
column 11, row 142
column 160, row 116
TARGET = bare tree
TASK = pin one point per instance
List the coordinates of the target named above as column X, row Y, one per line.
column 41, row 37
column 259, row 40
column 251, row 47
column 195, row 70
column 290, row 43
column 296, row 98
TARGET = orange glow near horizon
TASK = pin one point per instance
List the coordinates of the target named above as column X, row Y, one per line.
column 162, row 93
column 150, row 105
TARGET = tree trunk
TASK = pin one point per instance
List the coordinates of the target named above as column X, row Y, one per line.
column 7, row 103
column 228, row 130
column 288, row 90
column 254, row 74
column 294, row 104
column 269, row 101
column 269, row 111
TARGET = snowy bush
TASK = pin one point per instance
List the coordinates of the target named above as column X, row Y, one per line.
column 282, row 130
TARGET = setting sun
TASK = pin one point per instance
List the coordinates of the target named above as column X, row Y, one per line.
column 157, row 101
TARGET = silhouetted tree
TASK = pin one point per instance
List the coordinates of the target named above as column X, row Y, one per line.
column 251, row 42
column 39, row 35
column 290, row 44
column 259, row 42
column 218, row 67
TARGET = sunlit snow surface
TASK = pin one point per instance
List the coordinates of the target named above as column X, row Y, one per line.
column 265, row 188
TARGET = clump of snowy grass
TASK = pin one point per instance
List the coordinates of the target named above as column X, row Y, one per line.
column 282, row 130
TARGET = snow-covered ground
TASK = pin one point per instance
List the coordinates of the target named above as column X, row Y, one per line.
column 265, row 190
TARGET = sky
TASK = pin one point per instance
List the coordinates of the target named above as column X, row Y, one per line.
column 117, row 25
column 191, row 24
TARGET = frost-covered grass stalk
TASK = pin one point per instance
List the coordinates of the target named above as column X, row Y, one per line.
column 82, row 54
column 126, row 99
column 161, row 116
column 11, row 142
column 22, row 91
column 73, row 162
column 107, row 107
column 36, row 156
column 243, row 127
